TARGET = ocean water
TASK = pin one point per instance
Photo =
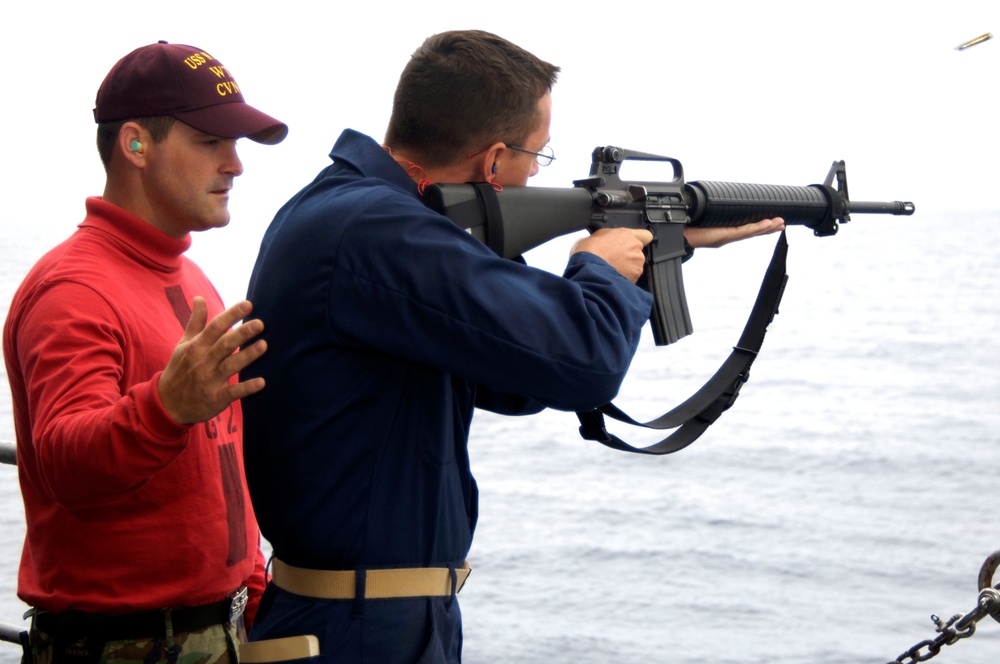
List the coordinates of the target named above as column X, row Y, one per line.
column 848, row 495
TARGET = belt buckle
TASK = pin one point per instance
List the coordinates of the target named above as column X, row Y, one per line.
column 237, row 603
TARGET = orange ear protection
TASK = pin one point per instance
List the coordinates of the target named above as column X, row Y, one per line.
column 135, row 146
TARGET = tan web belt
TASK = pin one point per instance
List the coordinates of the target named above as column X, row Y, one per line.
column 378, row 583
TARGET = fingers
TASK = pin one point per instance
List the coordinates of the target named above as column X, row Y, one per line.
column 224, row 321
column 642, row 235
column 619, row 247
column 615, row 237
column 196, row 383
column 764, row 227
column 239, row 336
column 222, row 338
column 233, row 363
column 199, row 314
column 723, row 235
column 242, row 390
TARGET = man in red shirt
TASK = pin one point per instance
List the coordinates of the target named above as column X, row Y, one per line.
column 141, row 541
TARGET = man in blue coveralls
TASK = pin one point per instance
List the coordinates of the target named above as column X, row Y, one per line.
column 387, row 325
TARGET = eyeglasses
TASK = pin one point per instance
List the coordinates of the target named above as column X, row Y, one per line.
column 544, row 158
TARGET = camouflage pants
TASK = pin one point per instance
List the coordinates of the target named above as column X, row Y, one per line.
column 217, row 644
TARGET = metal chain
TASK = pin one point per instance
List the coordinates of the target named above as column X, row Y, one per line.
column 958, row 627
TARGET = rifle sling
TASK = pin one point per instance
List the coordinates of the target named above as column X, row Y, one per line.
column 492, row 217
column 695, row 415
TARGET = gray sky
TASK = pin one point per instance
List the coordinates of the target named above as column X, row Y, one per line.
column 768, row 92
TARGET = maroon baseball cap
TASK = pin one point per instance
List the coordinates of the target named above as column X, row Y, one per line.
column 186, row 83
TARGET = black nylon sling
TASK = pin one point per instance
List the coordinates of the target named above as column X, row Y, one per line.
column 492, row 216
column 704, row 407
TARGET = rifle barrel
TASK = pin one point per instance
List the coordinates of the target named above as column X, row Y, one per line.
column 887, row 207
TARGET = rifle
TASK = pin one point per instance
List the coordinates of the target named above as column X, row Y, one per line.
column 517, row 219
column 520, row 218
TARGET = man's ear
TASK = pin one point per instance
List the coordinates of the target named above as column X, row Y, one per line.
column 490, row 161
column 133, row 142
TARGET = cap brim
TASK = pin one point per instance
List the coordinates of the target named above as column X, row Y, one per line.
column 236, row 120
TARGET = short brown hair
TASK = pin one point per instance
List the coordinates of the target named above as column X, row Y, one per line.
column 463, row 90
column 107, row 133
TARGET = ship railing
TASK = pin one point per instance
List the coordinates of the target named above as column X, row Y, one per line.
column 9, row 633
column 8, row 452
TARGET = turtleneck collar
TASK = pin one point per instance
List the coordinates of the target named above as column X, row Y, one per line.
column 142, row 239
